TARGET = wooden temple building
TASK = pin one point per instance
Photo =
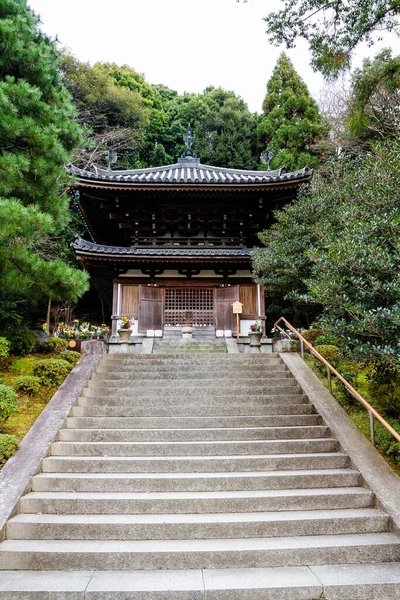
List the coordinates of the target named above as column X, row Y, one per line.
column 173, row 244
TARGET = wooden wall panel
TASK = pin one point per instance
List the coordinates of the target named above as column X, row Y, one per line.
column 151, row 303
column 224, row 298
column 130, row 299
column 248, row 297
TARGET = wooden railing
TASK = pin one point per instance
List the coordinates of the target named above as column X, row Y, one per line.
column 373, row 414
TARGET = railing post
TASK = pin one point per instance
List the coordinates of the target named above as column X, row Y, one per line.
column 302, row 348
column 329, row 379
column 372, row 427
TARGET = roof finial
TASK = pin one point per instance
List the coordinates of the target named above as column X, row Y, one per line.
column 189, row 154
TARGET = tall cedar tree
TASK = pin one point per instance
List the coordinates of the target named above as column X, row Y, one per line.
column 291, row 123
column 37, row 135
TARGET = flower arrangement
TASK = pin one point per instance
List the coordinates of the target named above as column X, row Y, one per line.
column 127, row 323
column 256, row 327
column 83, row 331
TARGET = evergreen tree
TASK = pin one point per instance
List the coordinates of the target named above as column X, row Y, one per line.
column 291, row 123
column 37, row 134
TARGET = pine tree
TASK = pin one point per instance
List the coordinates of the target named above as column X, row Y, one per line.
column 291, row 123
column 37, row 135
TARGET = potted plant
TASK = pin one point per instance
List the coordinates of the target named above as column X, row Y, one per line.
column 125, row 330
column 255, row 335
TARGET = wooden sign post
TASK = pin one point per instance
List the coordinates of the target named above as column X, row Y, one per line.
column 237, row 310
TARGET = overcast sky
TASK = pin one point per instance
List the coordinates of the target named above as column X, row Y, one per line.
column 184, row 44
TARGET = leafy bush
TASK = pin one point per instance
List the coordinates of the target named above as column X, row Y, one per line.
column 312, row 334
column 27, row 384
column 386, row 441
column 51, row 371
column 70, row 356
column 384, row 388
column 22, row 341
column 341, row 393
column 8, row 445
column 4, row 352
column 8, row 402
column 330, row 353
column 326, row 340
column 53, row 345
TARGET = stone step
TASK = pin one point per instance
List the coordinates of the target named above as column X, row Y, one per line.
column 180, row 410
column 192, row 435
column 196, row 526
column 192, row 554
column 198, row 399
column 205, row 448
column 244, row 359
column 192, row 482
column 171, row 381
column 336, row 582
column 286, row 421
column 194, row 502
column 184, row 464
column 159, row 372
column 287, row 386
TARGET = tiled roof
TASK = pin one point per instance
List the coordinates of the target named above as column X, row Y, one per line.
column 188, row 173
column 83, row 246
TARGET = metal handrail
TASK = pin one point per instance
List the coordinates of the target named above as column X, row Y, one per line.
column 372, row 412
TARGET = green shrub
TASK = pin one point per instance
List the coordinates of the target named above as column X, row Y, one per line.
column 51, row 371
column 330, row 353
column 27, row 384
column 341, row 392
column 8, row 402
column 8, row 445
column 4, row 352
column 312, row 334
column 22, row 341
column 326, row 340
column 53, row 345
column 384, row 389
column 71, row 356
column 386, row 441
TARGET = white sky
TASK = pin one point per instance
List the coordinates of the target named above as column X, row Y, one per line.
column 184, row 44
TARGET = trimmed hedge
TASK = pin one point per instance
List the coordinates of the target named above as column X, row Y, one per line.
column 27, row 384
column 312, row 334
column 70, row 356
column 8, row 445
column 8, row 402
column 22, row 341
column 53, row 345
column 51, row 371
column 329, row 353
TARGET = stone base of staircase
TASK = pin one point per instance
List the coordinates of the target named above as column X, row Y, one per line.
column 196, row 477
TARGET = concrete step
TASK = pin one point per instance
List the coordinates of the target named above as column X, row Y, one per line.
column 336, row 582
column 185, row 554
column 182, row 409
column 270, row 358
column 211, row 448
column 194, row 502
column 196, row 526
column 148, row 391
column 198, row 399
column 285, row 421
column 159, row 372
column 189, row 383
column 191, row 482
column 184, row 464
column 192, row 435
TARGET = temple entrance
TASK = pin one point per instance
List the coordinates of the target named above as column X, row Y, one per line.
column 194, row 305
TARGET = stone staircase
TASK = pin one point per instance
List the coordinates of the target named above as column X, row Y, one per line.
column 185, row 477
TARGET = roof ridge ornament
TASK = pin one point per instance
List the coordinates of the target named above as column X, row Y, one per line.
column 188, row 156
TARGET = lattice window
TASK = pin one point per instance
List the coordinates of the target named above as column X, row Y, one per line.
column 194, row 305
